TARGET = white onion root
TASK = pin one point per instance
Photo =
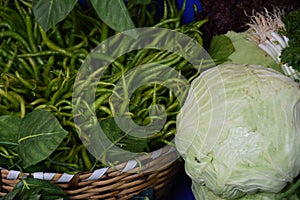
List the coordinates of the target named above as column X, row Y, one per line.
column 264, row 31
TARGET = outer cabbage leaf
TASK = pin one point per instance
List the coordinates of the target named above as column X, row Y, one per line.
column 247, row 52
column 238, row 130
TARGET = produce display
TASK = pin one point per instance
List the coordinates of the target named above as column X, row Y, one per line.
column 233, row 117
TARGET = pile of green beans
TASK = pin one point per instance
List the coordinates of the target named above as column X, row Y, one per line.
column 38, row 71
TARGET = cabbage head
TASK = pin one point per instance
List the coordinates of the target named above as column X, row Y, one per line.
column 238, row 132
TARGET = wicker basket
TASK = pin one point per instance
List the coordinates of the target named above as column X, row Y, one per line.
column 123, row 181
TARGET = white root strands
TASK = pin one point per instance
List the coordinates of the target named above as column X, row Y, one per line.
column 263, row 24
column 263, row 30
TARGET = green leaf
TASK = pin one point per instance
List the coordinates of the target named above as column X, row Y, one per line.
column 114, row 13
column 120, row 138
column 35, row 189
column 40, row 134
column 46, row 189
column 13, row 195
column 9, row 128
column 290, row 54
column 220, row 48
column 49, row 12
column 142, row 2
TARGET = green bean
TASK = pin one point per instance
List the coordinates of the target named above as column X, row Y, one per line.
column 167, row 142
column 70, row 154
column 39, row 54
column 7, row 156
column 63, row 101
column 146, row 72
column 26, row 3
column 24, row 82
column 105, row 110
column 135, row 99
column 139, row 55
column 80, row 85
column 142, row 112
column 173, row 106
column 101, row 99
column 36, row 32
column 52, row 45
column 167, row 21
column 67, row 95
column 101, row 90
column 45, row 106
column 71, row 124
column 56, row 81
column 67, row 113
column 86, row 160
column 17, row 37
column 26, row 66
column 165, row 15
column 80, row 45
column 12, row 100
column 5, row 25
column 19, row 90
column 9, row 78
column 31, row 38
column 59, row 91
column 147, row 95
column 73, row 62
column 104, row 32
column 170, row 133
column 4, row 150
column 171, row 60
column 168, row 124
column 13, row 153
column 171, row 9
column 20, row 10
column 10, row 14
column 11, row 22
column 36, row 71
column 71, row 36
column 94, row 40
column 74, row 156
column 38, row 101
column 11, row 61
column 58, row 37
column 21, row 102
column 154, row 57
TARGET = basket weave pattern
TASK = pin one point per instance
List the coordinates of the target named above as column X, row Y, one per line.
column 122, row 181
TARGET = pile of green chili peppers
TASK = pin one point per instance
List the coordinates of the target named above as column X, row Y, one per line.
column 38, row 71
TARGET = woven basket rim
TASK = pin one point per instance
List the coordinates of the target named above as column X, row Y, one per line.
column 129, row 166
column 154, row 170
